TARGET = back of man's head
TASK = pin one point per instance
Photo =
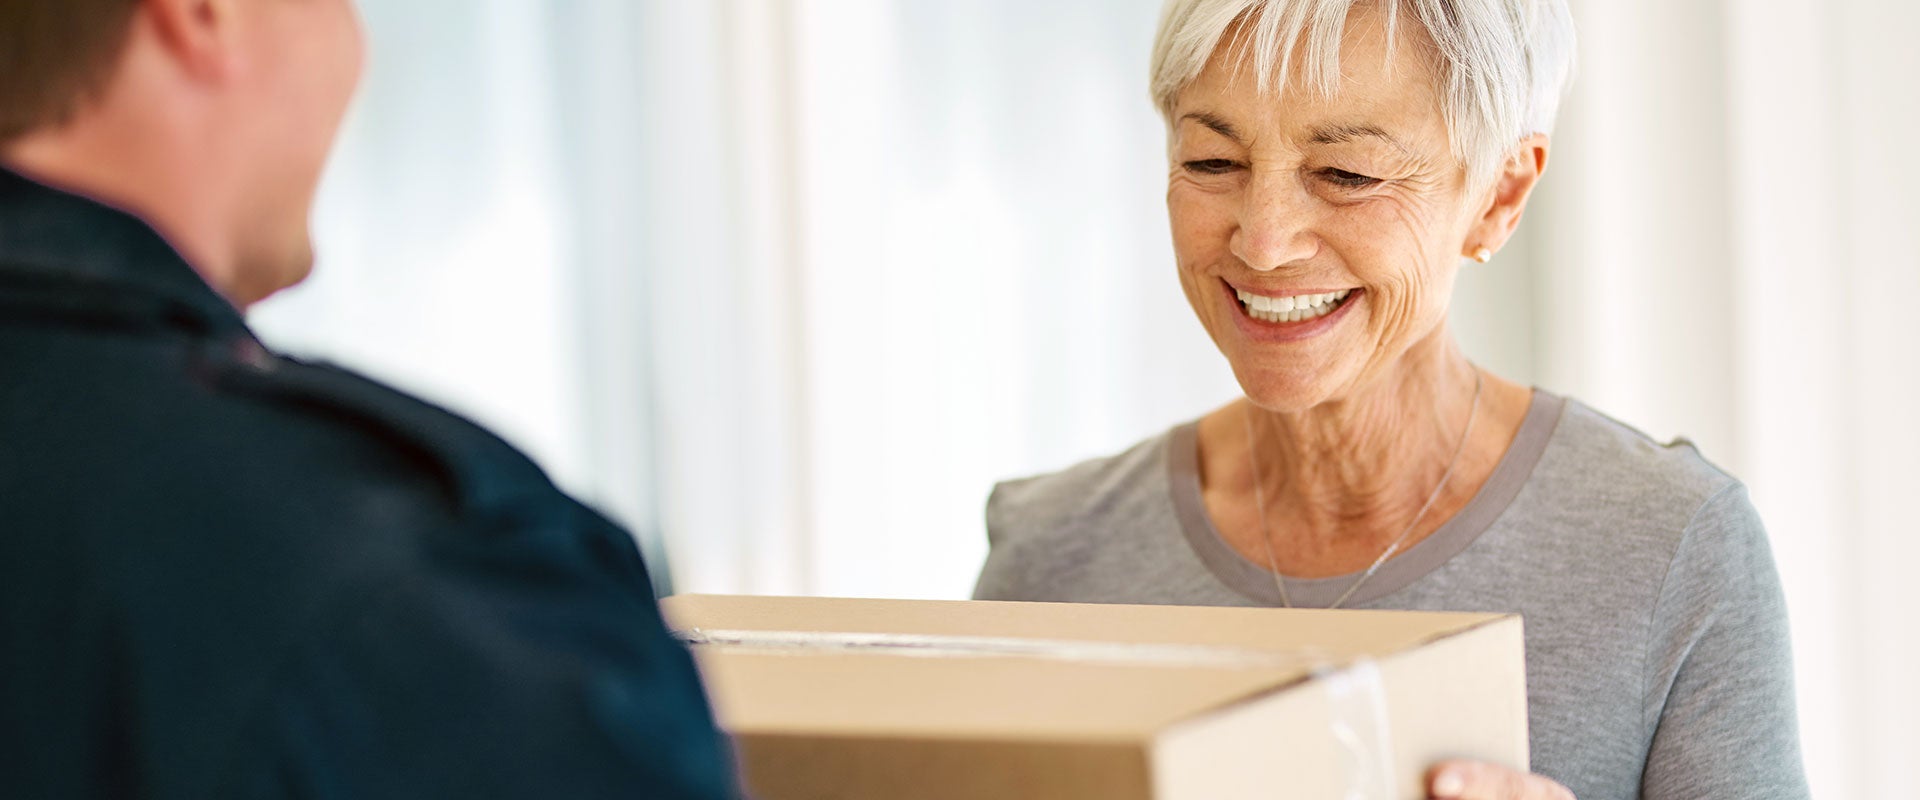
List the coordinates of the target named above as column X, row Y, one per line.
column 53, row 54
column 210, row 119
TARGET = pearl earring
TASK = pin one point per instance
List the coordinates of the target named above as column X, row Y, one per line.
column 1483, row 255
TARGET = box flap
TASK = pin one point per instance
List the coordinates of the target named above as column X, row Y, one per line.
column 863, row 691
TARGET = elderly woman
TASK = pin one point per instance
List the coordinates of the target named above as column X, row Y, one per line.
column 1333, row 164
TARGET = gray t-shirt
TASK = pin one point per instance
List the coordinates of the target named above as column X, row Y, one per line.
column 1657, row 656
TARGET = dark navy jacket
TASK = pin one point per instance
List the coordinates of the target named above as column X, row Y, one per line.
column 226, row 573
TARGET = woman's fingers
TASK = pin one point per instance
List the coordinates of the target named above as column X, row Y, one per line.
column 1474, row 780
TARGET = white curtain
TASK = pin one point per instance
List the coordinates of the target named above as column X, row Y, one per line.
column 787, row 284
column 478, row 238
column 905, row 249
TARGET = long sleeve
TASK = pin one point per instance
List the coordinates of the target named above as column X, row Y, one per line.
column 1001, row 576
column 1719, row 696
column 535, row 665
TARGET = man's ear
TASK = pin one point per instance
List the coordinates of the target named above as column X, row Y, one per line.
column 1507, row 198
column 202, row 36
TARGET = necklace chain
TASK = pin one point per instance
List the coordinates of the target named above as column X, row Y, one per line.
column 1266, row 534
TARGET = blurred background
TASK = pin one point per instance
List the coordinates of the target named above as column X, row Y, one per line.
column 787, row 285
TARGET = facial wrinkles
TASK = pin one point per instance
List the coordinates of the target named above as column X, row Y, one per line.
column 1403, row 287
column 1389, row 234
column 1194, row 230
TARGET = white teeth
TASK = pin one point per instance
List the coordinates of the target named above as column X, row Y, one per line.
column 1295, row 308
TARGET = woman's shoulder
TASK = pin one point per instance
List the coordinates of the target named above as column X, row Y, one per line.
column 1092, row 493
column 1607, row 451
column 1086, row 533
column 1615, row 476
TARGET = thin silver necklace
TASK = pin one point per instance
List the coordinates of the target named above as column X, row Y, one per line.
column 1266, row 535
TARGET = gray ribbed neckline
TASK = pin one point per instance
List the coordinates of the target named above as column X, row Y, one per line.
column 1256, row 582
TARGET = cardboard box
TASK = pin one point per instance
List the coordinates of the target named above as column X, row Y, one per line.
column 919, row 700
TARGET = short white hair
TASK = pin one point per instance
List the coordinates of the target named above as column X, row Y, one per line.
column 1503, row 64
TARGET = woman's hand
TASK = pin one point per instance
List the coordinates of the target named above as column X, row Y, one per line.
column 1474, row 780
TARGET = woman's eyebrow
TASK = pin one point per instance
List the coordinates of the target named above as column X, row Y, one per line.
column 1215, row 124
column 1340, row 134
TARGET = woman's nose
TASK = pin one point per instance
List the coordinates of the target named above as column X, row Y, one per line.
column 1275, row 223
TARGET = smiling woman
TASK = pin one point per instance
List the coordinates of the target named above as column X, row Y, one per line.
column 1332, row 165
column 1353, row 189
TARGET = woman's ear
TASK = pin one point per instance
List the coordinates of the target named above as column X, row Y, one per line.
column 1507, row 198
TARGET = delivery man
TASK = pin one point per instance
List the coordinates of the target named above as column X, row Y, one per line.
column 225, row 573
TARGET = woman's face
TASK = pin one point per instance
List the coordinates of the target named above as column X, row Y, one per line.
column 1350, row 210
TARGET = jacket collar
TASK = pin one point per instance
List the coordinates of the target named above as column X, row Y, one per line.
column 48, row 235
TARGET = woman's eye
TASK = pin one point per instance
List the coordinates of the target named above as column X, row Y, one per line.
column 1351, row 180
column 1211, row 166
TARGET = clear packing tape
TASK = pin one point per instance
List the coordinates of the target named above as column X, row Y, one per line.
column 1356, row 693
column 1358, row 701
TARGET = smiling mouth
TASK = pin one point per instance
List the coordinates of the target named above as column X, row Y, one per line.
column 1298, row 308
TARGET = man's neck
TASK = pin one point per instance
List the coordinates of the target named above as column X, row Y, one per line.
column 91, row 158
